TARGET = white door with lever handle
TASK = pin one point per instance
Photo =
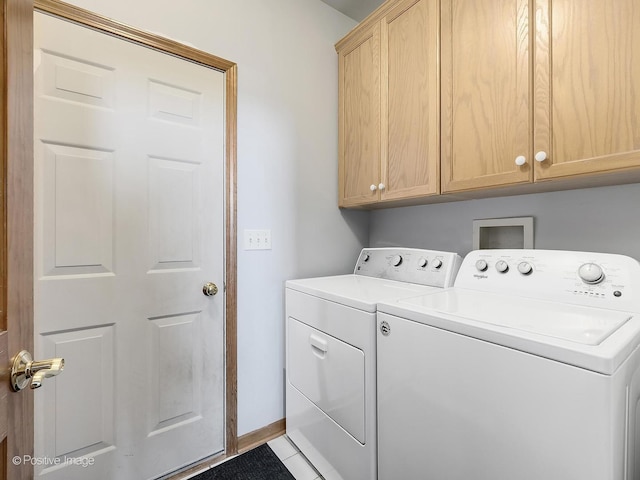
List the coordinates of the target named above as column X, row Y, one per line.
column 129, row 195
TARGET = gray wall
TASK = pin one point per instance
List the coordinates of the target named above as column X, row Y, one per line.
column 603, row 219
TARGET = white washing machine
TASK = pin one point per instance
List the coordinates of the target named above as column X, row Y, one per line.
column 527, row 369
column 331, row 354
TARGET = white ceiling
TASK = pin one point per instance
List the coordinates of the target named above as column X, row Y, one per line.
column 356, row 9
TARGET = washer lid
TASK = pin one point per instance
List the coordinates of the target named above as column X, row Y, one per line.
column 587, row 337
column 586, row 325
column 358, row 291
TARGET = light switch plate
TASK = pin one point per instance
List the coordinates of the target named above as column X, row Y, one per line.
column 257, row 239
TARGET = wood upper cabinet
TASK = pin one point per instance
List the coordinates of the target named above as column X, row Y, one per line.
column 359, row 119
column 389, row 106
column 560, row 88
column 410, row 132
column 465, row 97
column 587, row 86
column 486, row 94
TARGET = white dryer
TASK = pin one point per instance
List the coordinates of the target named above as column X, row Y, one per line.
column 331, row 354
column 528, row 369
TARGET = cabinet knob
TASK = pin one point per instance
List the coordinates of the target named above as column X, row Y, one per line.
column 373, row 188
column 520, row 160
column 541, row 156
column 381, row 186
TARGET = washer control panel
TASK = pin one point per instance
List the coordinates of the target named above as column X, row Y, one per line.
column 595, row 279
column 412, row 265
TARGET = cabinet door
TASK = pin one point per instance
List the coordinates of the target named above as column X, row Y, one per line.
column 359, row 120
column 410, row 133
column 486, row 93
column 587, row 86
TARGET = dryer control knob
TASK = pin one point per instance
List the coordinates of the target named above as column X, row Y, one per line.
column 422, row 262
column 591, row 273
column 525, row 268
column 396, row 260
column 502, row 266
column 481, row 265
column 437, row 263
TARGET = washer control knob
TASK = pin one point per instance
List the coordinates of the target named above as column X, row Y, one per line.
column 437, row 263
column 525, row 268
column 591, row 273
column 481, row 265
column 396, row 260
column 502, row 266
column 422, row 262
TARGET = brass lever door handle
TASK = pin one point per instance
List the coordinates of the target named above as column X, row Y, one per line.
column 24, row 370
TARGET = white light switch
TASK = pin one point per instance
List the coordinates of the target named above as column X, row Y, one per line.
column 257, row 239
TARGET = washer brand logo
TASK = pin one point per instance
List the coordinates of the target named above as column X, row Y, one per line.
column 385, row 328
column 480, row 276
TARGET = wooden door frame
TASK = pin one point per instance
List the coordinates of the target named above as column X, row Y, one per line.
column 16, row 222
column 16, row 198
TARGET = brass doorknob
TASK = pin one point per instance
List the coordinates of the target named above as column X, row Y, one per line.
column 24, row 369
column 209, row 289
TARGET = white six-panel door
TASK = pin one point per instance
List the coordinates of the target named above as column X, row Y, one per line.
column 129, row 182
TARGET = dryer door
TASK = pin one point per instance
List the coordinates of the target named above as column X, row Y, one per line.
column 330, row 373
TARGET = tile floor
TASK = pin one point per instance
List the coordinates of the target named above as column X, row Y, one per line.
column 295, row 462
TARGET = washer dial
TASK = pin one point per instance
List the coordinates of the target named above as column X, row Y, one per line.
column 525, row 268
column 591, row 273
column 502, row 266
column 481, row 265
column 396, row 260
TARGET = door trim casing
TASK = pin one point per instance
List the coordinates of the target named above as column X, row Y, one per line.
column 128, row 33
column 16, row 224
